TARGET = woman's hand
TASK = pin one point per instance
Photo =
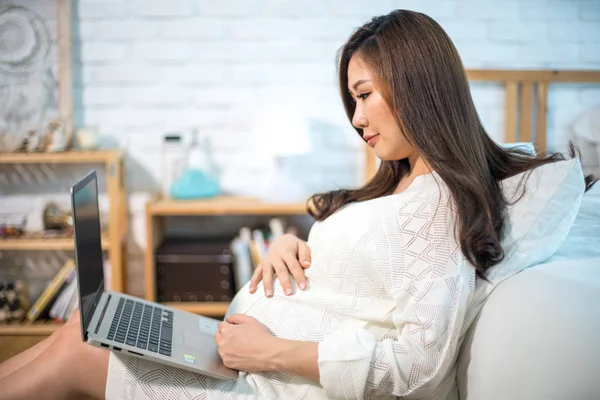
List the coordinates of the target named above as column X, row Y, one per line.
column 245, row 344
column 287, row 255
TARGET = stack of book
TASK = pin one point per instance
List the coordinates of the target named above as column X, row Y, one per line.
column 60, row 299
column 250, row 246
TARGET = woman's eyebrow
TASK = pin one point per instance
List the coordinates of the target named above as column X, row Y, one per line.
column 360, row 82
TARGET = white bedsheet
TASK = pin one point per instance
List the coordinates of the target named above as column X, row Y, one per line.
column 583, row 241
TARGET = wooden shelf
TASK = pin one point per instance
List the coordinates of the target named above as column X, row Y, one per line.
column 113, row 240
column 32, row 242
column 66, row 157
column 223, row 205
column 209, row 309
column 41, row 328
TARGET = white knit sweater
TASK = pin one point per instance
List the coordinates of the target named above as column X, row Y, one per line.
column 387, row 299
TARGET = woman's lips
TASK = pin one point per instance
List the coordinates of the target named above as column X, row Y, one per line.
column 372, row 139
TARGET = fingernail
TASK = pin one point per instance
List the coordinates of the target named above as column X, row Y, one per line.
column 252, row 290
column 269, row 293
column 306, row 262
column 302, row 285
column 288, row 291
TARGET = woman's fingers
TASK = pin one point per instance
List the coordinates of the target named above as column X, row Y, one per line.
column 304, row 254
column 283, row 262
column 284, row 277
column 268, row 279
column 256, row 278
column 296, row 270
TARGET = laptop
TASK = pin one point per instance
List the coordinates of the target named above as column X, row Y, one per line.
column 127, row 324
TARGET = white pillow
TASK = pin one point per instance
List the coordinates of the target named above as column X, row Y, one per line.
column 539, row 222
column 501, row 353
column 527, row 146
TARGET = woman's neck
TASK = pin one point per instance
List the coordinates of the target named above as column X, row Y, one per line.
column 417, row 167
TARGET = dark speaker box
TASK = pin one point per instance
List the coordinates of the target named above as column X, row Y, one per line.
column 194, row 270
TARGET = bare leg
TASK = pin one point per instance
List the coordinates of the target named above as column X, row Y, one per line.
column 66, row 368
column 31, row 381
column 20, row 360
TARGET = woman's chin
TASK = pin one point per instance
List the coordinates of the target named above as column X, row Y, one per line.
column 383, row 155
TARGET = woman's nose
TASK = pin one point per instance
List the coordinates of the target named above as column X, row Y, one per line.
column 359, row 120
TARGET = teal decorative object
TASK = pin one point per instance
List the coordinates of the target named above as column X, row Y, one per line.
column 194, row 184
column 199, row 178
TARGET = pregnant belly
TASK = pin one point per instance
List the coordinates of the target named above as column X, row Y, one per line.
column 291, row 317
column 310, row 314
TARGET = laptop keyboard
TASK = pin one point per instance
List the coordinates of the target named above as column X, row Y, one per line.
column 143, row 326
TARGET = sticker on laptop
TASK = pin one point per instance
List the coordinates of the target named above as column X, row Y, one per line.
column 189, row 358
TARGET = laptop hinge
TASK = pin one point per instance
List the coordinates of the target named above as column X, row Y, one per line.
column 102, row 315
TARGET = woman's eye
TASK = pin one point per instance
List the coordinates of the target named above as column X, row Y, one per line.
column 363, row 96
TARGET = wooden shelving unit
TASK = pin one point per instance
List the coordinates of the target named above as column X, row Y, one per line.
column 223, row 206
column 67, row 157
column 113, row 241
column 28, row 328
column 220, row 206
column 39, row 242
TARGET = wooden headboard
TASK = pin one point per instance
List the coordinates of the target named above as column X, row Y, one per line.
column 525, row 91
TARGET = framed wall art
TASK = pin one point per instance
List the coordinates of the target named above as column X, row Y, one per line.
column 36, row 75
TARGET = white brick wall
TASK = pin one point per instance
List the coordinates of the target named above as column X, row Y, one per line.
column 549, row 10
column 98, row 30
column 489, row 10
column 590, row 11
column 146, row 67
column 163, row 9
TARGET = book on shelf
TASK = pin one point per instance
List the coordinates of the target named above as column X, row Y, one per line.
column 59, row 310
column 251, row 245
column 60, row 299
column 58, row 293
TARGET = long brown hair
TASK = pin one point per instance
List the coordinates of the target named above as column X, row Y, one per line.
column 422, row 79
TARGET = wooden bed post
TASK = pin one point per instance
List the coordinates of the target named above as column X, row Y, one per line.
column 541, row 115
column 510, row 107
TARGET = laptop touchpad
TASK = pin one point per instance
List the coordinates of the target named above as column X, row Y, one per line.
column 198, row 340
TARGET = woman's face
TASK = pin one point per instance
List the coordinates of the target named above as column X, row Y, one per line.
column 373, row 115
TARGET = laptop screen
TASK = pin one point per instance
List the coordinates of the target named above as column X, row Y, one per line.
column 88, row 247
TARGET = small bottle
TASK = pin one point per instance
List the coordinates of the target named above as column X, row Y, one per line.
column 172, row 158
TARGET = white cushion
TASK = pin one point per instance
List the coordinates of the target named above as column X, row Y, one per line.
column 540, row 220
column 537, row 225
column 537, row 337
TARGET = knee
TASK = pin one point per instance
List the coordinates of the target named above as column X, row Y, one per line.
column 74, row 361
column 66, row 346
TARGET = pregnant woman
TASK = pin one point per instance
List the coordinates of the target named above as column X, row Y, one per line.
column 376, row 303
